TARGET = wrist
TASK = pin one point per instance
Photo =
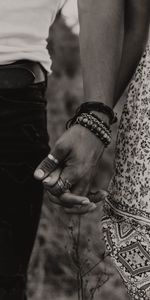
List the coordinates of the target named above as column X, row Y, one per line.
column 96, row 117
column 94, row 124
column 99, row 107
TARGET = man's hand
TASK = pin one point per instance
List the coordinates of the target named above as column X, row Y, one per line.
column 78, row 152
column 74, row 203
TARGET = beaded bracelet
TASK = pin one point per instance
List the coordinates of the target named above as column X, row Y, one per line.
column 95, row 125
column 97, row 106
column 93, row 121
column 100, row 120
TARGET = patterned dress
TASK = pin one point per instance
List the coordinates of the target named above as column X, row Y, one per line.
column 126, row 221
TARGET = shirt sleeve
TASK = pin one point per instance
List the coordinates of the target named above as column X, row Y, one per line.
column 62, row 2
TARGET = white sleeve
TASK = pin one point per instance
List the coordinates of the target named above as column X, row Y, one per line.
column 62, row 2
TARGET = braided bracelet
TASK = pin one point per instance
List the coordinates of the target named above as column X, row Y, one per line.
column 94, row 122
column 95, row 125
column 98, row 119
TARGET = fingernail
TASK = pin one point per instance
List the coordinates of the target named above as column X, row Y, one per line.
column 39, row 173
column 46, row 180
column 85, row 202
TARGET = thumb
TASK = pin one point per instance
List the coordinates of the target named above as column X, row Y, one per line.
column 51, row 179
column 51, row 162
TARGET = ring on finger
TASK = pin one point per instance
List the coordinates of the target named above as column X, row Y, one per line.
column 52, row 158
column 60, row 187
column 65, row 185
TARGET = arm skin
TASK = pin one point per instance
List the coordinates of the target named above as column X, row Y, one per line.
column 101, row 43
column 106, row 55
column 110, row 44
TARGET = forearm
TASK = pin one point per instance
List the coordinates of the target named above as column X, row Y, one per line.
column 101, row 39
column 135, row 38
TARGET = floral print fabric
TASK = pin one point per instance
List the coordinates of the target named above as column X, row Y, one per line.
column 126, row 221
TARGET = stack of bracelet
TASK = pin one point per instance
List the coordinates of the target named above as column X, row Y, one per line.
column 95, row 125
column 86, row 118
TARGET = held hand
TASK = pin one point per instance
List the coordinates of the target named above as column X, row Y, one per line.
column 78, row 152
column 74, row 203
column 66, row 199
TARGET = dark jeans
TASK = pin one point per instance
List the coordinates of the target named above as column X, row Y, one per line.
column 23, row 144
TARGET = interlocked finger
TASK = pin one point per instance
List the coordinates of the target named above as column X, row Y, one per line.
column 81, row 210
column 56, row 200
column 71, row 199
column 68, row 200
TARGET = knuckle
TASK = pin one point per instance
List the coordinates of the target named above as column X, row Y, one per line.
column 60, row 148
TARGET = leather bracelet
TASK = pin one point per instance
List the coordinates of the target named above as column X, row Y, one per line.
column 99, row 107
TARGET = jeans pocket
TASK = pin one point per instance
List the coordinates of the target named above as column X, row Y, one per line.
column 23, row 130
column 32, row 96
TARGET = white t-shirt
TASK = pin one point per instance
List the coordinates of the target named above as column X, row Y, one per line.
column 24, row 28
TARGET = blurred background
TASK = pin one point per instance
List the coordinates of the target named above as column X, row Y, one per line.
column 68, row 260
